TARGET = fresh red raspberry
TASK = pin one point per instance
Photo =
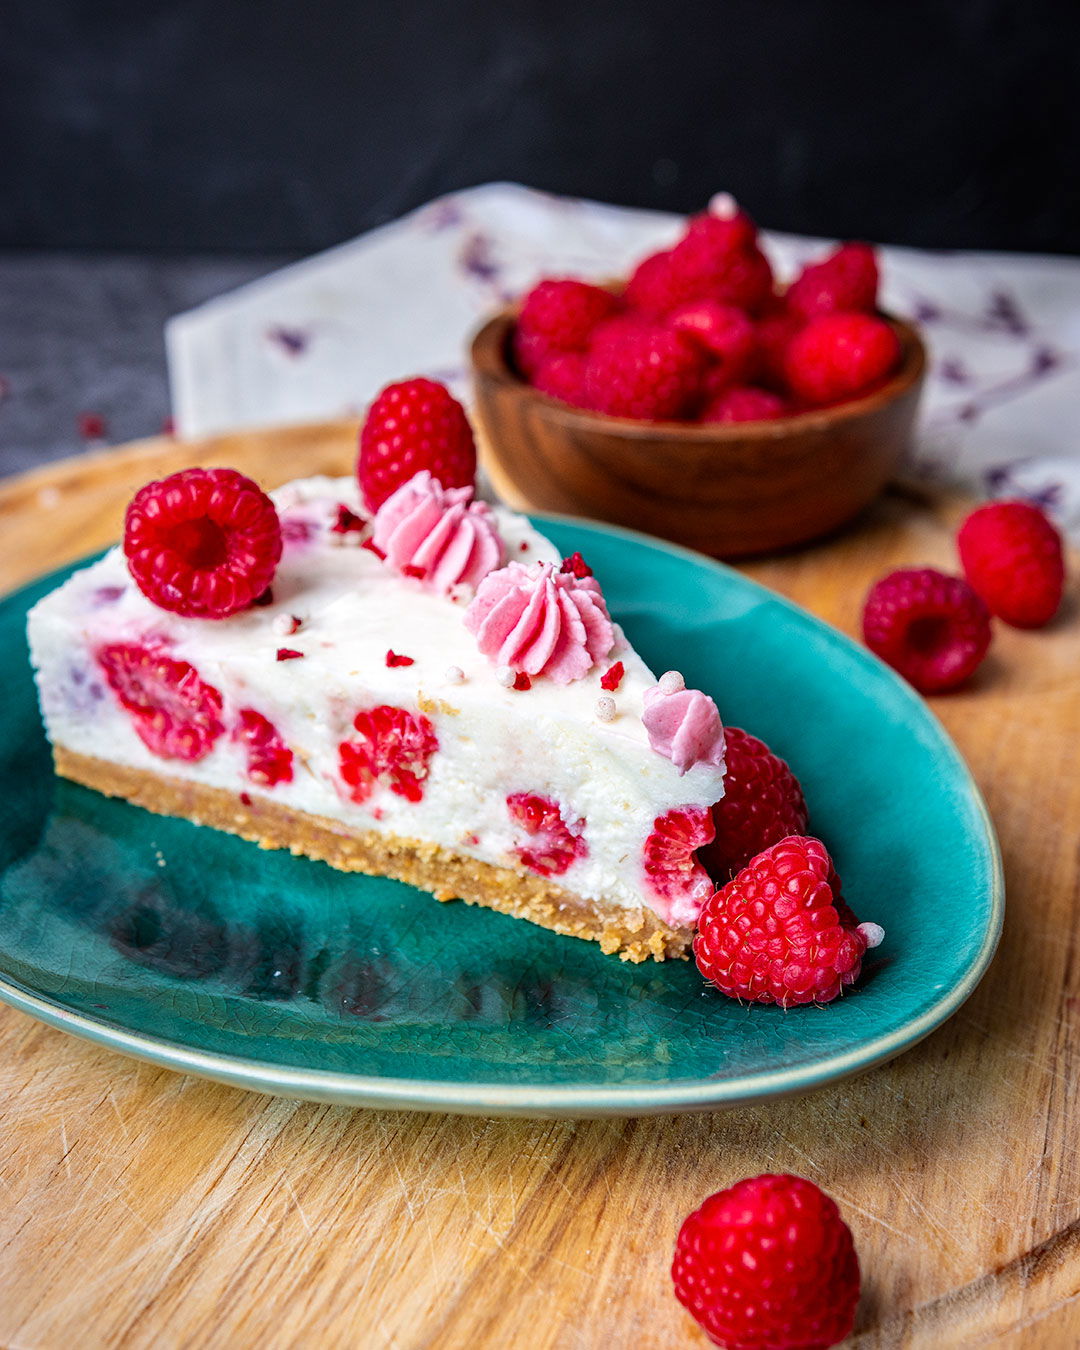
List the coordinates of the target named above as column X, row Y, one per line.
column 650, row 373
column 774, row 333
column 620, row 328
column 693, row 271
column 203, row 543
column 653, row 289
column 837, row 356
column 671, row 864
column 744, row 404
column 551, row 844
column 768, row 1264
column 739, row 277
column 846, row 280
column 562, row 375
column 269, row 759
column 730, row 231
column 762, row 804
column 414, row 425
column 930, row 627
column 724, row 332
column 1013, row 559
column 176, row 714
column 395, row 749
column 779, row 932
column 559, row 315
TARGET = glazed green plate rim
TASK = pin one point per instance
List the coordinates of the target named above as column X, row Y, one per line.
column 613, row 1099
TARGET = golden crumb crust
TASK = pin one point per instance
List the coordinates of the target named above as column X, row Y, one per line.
column 636, row 934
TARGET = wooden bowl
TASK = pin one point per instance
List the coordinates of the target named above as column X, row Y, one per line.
column 727, row 490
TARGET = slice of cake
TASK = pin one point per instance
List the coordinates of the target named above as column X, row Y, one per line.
column 429, row 693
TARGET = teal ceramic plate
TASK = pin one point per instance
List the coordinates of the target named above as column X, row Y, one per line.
column 204, row 953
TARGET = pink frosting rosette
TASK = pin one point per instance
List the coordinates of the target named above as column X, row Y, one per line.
column 540, row 621
column 438, row 534
column 683, row 724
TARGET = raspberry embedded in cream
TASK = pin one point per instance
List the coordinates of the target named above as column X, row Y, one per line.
column 683, row 724
column 438, row 534
column 538, row 621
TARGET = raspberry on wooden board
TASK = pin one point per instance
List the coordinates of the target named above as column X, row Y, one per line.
column 931, row 628
column 768, row 1264
column 1014, row 561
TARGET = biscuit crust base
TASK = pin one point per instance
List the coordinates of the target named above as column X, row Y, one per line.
column 636, row 934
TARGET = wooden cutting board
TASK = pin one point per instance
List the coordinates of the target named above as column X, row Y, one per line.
column 140, row 1208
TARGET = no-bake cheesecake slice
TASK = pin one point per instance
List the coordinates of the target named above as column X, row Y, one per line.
column 428, row 693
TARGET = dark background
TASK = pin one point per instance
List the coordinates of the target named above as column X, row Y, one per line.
column 273, row 126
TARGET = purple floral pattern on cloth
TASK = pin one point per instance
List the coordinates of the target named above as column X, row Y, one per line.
column 1003, row 331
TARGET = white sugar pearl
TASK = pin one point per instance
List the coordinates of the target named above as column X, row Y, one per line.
column 506, row 677
column 454, row 675
column 605, row 708
column 724, row 206
column 671, row 682
column 873, row 933
column 285, row 624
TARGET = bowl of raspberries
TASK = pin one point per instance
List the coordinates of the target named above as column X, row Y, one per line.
column 700, row 399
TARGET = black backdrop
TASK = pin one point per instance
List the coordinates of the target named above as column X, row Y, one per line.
column 275, row 125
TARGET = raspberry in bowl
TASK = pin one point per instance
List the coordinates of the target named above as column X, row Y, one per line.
column 698, row 399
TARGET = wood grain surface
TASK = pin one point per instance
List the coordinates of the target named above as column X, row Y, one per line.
column 140, row 1208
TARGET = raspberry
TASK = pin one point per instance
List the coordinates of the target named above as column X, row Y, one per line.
column 653, row 287
column 837, row 356
column 552, row 844
column 562, row 375
column 269, row 759
column 414, row 425
column 768, row 1264
column 175, row 713
column 616, row 330
column 744, row 404
column 394, row 749
column 1013, row 559
column 692, row 270
column 730, row 232
column 773, row 335
column 203, row 543
column 649, row 373
column 779, row 931
column 559, row 315
column 724, row 332
column 846, row 280
column 930, row 627
column 672, row 869
column 762, row 804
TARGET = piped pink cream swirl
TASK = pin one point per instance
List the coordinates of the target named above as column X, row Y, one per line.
column 683, row 724
column 438, row 534
column 539, row 621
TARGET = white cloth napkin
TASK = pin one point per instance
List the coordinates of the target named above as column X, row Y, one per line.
column 320, row 338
